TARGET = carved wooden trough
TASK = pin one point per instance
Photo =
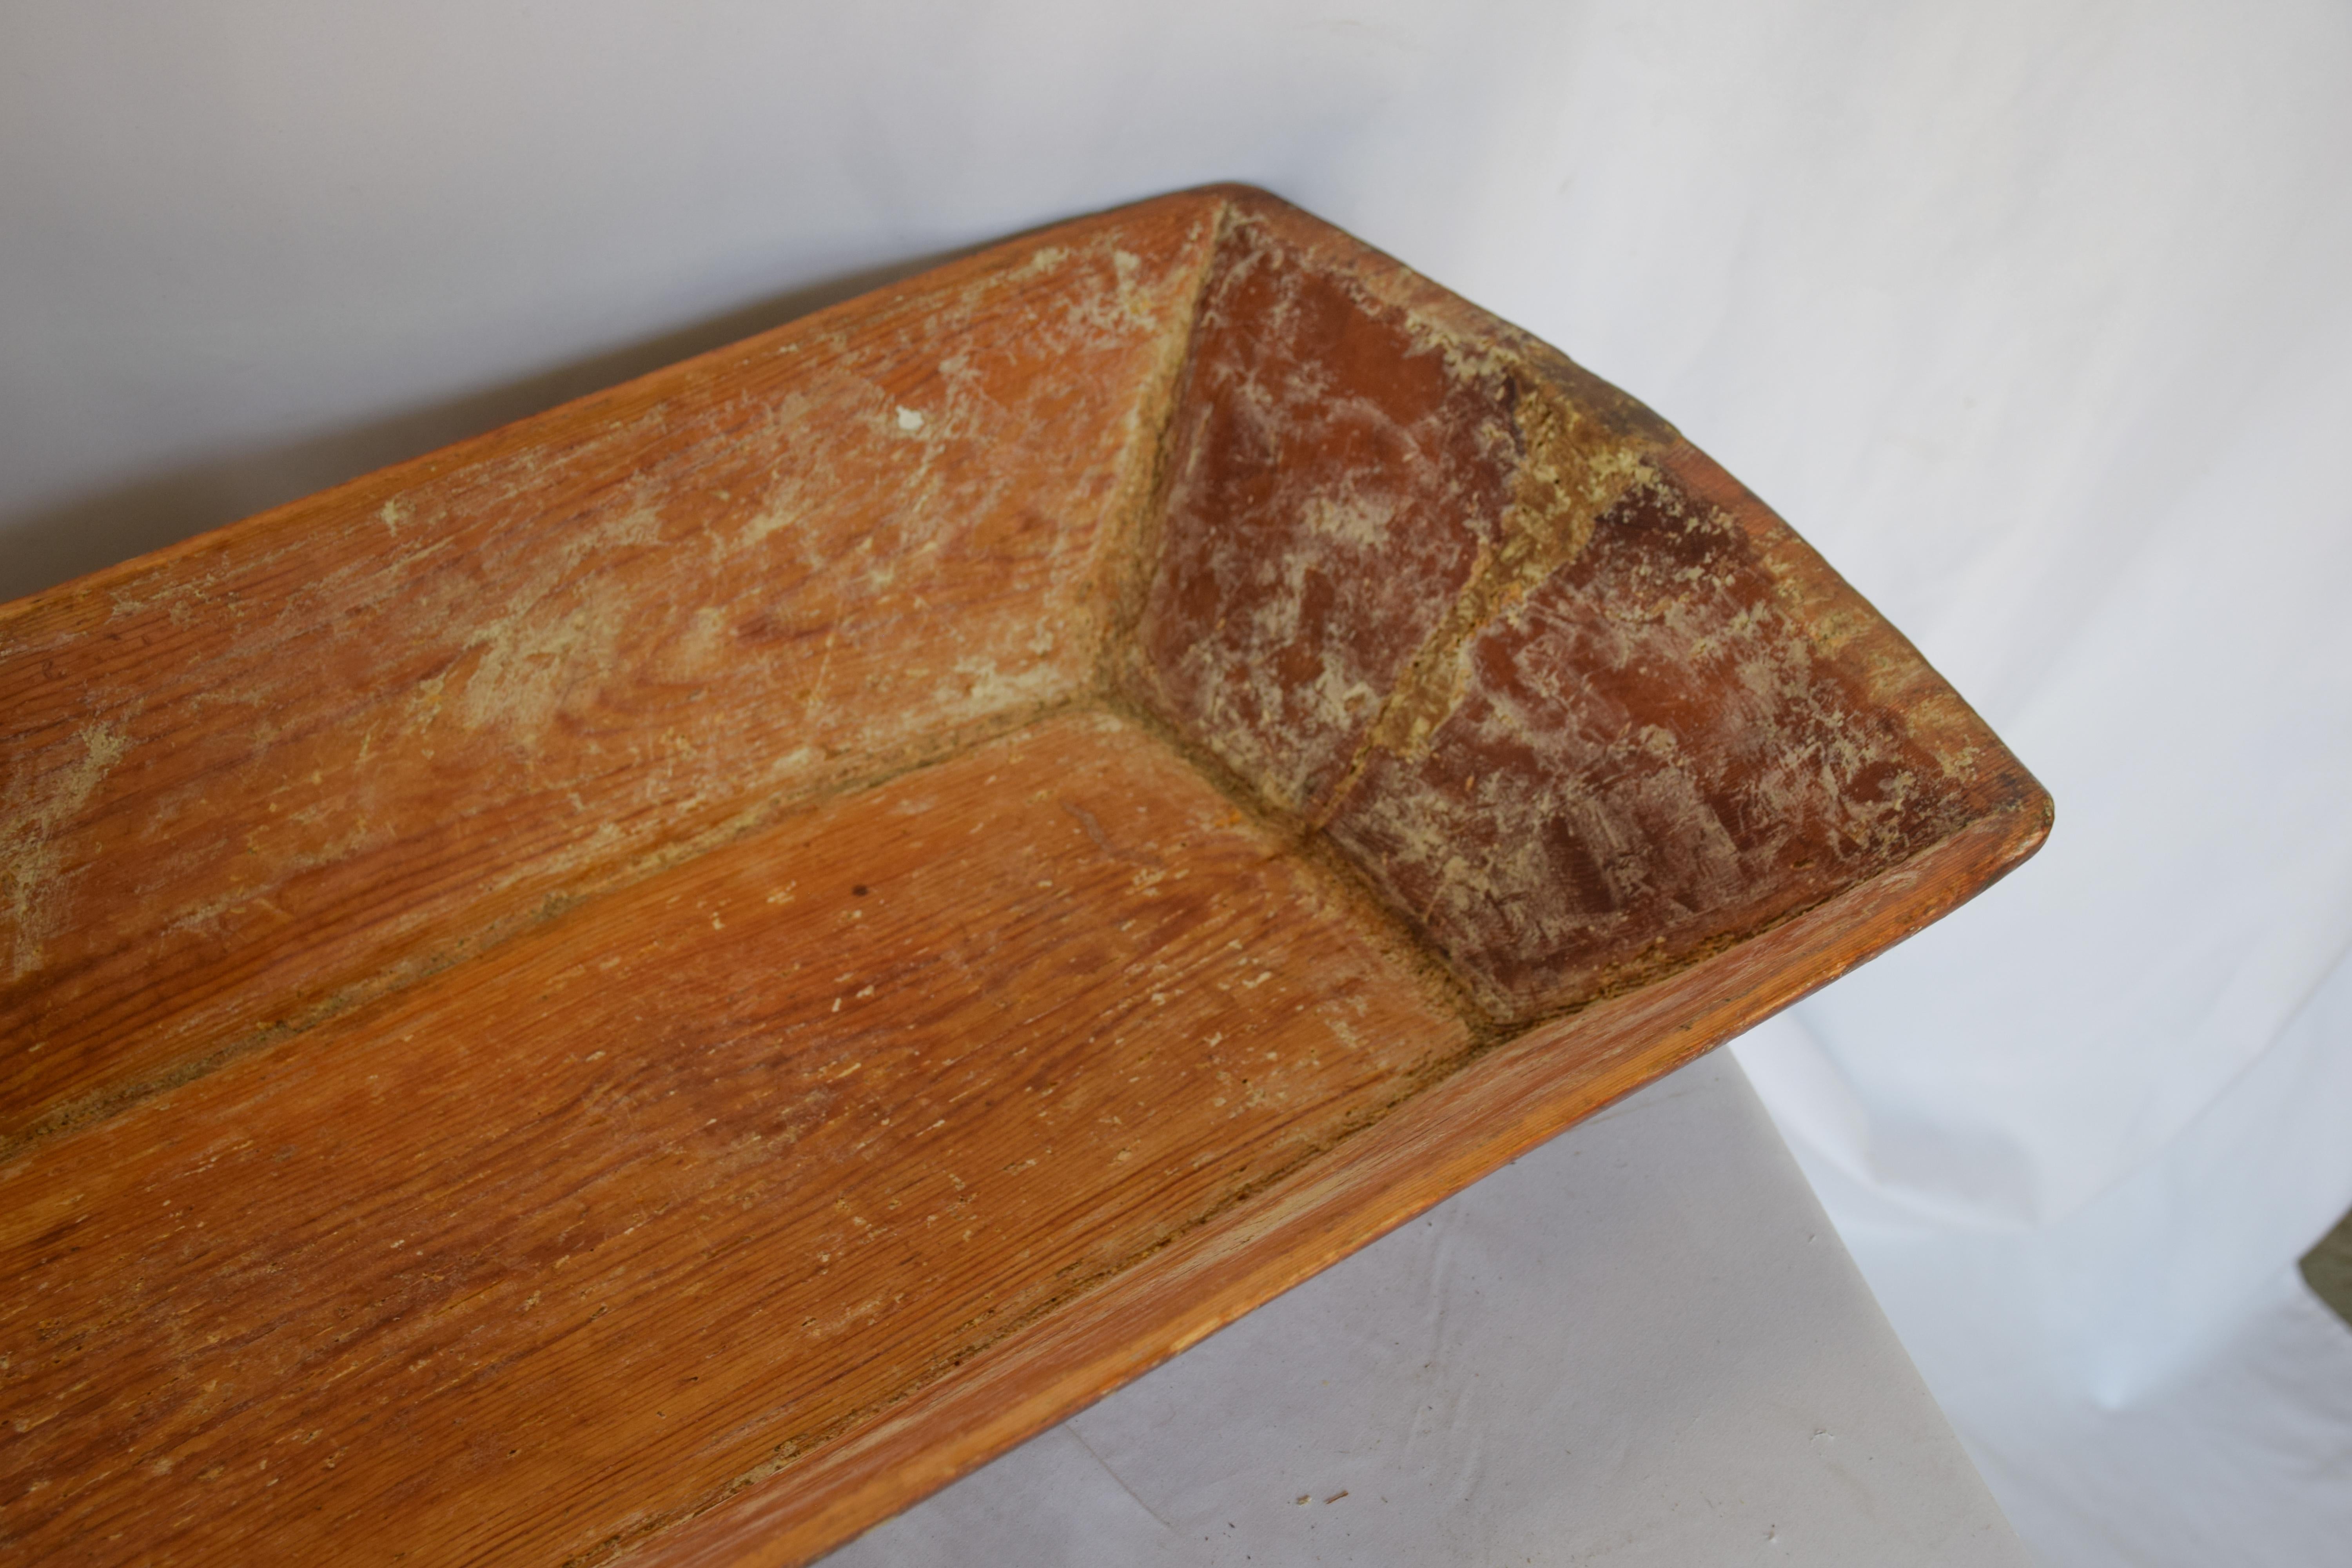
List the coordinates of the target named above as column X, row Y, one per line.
column 656, row 985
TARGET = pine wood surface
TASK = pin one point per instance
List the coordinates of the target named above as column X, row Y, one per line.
column 1466, row 1126
column 850, row 1096
column 659, row 984
column 293, row 763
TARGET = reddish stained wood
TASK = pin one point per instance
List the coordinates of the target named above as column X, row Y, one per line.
column 1466, row 1126
column 1560, row 689
column 658, row 984
column 295, row 763
column 555, row 1246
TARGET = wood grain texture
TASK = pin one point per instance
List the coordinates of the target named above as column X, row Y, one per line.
column 1575, row 704
column 660, row 983
column 1466, row 1126
column 354, row 741
column 551, row 1248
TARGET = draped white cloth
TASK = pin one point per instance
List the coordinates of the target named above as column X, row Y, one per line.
column 2033, row 316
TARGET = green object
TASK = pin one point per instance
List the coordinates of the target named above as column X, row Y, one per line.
column 2328, row 1269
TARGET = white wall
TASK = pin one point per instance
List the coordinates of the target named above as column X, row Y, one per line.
column 250, row 248
column 2033, row 316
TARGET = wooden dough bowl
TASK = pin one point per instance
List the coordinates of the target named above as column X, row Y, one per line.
column 657, row 984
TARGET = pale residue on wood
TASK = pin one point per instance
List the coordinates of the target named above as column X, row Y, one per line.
column 36, row 804
column 553, row 663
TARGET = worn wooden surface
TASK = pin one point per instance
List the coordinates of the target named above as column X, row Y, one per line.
column 1576, row 705
column 571, row 1240
column 296, row 762
column 659, row 984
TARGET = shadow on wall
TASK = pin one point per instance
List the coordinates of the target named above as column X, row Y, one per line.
column 49, row 545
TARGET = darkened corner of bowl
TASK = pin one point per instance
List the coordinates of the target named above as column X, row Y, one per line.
column 1574, row 706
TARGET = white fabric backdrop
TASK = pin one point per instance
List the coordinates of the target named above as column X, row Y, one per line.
column 2033, row 316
